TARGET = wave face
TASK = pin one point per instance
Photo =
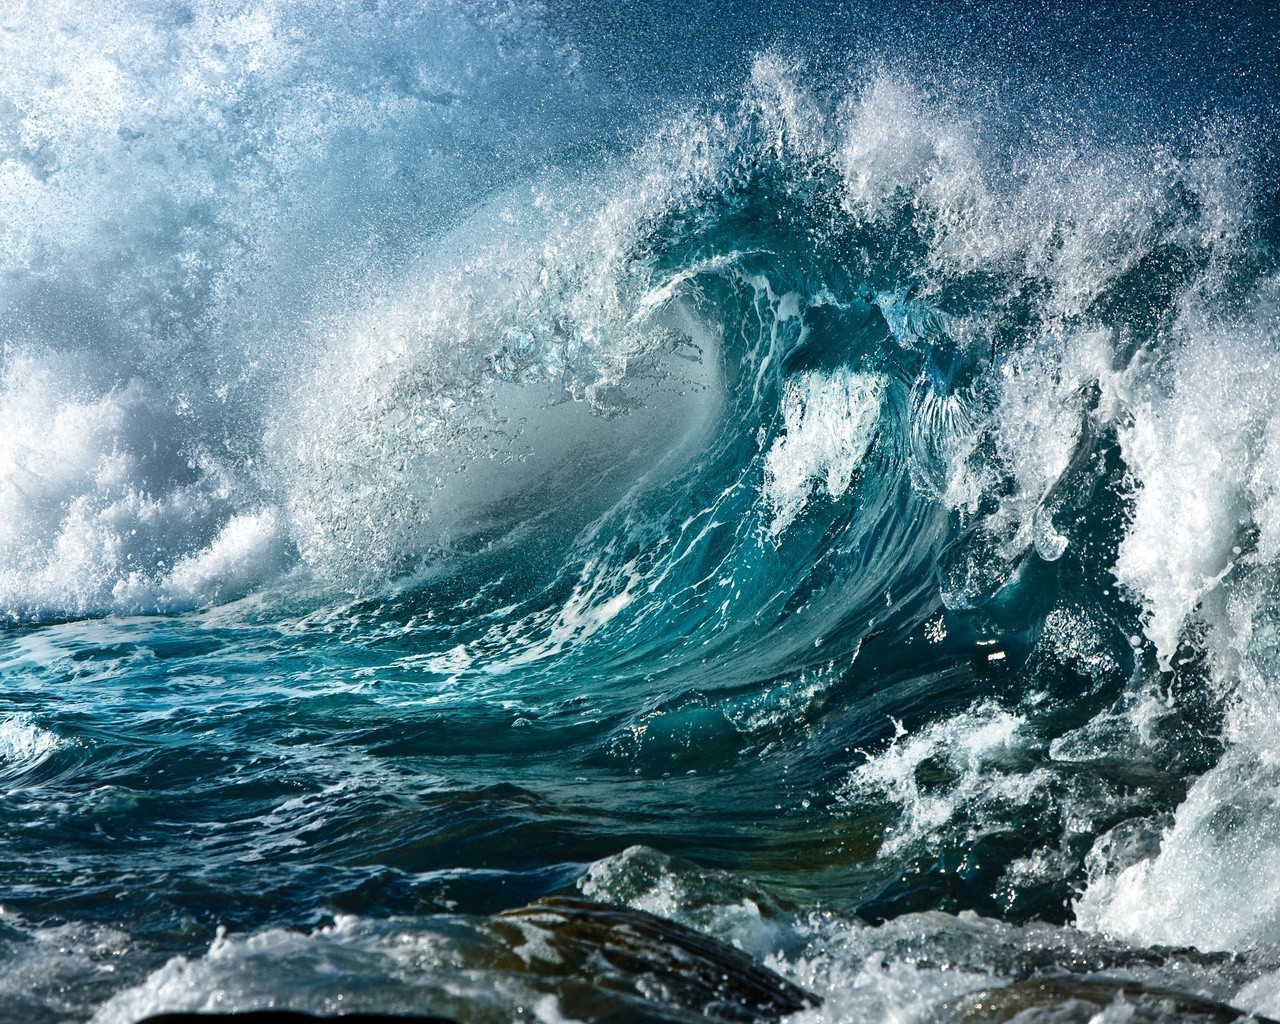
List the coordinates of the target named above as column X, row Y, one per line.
column 821, row 492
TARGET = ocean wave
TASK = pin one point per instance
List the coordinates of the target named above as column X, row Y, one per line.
column 891, row 478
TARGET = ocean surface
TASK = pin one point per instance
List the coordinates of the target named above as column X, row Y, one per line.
column 809, row 472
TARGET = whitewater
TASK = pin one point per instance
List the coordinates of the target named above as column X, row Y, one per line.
column 552, row 512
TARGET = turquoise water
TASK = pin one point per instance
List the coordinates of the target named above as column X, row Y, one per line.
column 818, row 491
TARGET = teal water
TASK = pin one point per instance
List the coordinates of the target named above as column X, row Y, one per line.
column 451, row 457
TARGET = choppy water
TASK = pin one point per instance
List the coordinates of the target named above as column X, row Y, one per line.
column 813, row 475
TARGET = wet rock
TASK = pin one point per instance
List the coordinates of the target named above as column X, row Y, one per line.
column 647, row 967
column 1068, row 999
column 598, row 963
column 287, row 1017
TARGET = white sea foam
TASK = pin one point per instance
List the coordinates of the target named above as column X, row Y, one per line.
column 526, row 375
column 829, row 424
column 1201, row 553
column 1209, row 881
column 1203, row 479
column 904, row 970
column 58, row 966
column 183, row 190
column 1214, row 883
column 24, row 744
column 103, row 507
column 972, row 750
column 395, row 966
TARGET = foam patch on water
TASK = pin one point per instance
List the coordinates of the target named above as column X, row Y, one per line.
column 1207, row 879
column 65, row 970
column 907, row 969
column 1261, row 996
column 350, row 966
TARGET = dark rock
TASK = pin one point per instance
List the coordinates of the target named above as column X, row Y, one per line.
column 660, row 969
column 601, row 963
column 1066, row 999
